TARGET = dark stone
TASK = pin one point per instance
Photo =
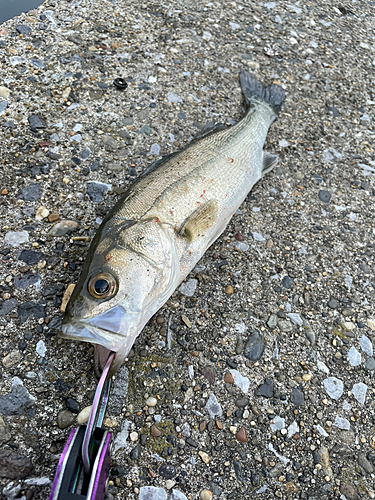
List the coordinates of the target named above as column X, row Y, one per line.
column 146, row 130
column 26, row 280
column 231, row 364
column 242, row 402
column 365, row 464
column 14, row 466
column 255, row 346
column 9, row 124
column 72, row 405
column 7, row 306
column 369, row 365
column 85, row 154
column 31, row 257
column 266, row 389
column 35, row 122
column 96, row 190
column 287, row 282
column 333, row 304
column 30, row 309
column 23, row 29
column 324, row 196
column 167, row 471
column 143, row 439
column 134, row 454
column 297, row 397
column 317, row 178
column 181, row 115
column 22, row 344
column 238, row 470
column 214, row 488
column 37, row 63
column 191, row 442
column 30, row 193
column 17, row 401
column 334, row 111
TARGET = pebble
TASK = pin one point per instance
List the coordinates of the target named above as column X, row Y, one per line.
column 349, row 491
column 365, row 464
column 342, row 423
column 31, row 257
column 371, row 323
column 11, row 359
column 370, row 364
column 154, row 431
column 16, row 238
column 14, row 466
column 287, row 282
column 366, row 345
column 333, row 304
column 359, row 392
column 134, row 454
column 167, row 471
column 177, row 495
column 119, row 442
column 72, row 405
column 333, row 387
column 258, row 237
column 7, row 306
column 242, row 382
column 4, row 92
column 97, row 190
column 213, row 407
column 354, row 357
column 204, row 456
column 186, row 320
column 83, row 415
column 41, row 348
column 292, row 429
column 228, row 379
column 41, row 213
column 151, row 401
column 188, row 287
column 254, row 347
column 266, row 389
column 297, row 397
column 295, row 319
column 35, row 122
column 63, row 227
column 324, row 196
column 152, row 493
column 205, row 495
column 277, row 424
column 272, row 321
column 18, row 400
column 65, row 418
column 229, row 290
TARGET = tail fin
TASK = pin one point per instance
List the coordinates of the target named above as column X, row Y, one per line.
column 251, row 87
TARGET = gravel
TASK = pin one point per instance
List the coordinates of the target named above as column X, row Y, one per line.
column 264, row 354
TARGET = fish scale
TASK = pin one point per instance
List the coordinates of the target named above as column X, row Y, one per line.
column 163, row 224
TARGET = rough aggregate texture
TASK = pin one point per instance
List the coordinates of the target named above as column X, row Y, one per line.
column 295, row 265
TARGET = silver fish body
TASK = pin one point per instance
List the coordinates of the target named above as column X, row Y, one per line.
column 164, row 223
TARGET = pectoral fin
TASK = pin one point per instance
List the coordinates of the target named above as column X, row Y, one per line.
column 199, row 221
column 269, row 161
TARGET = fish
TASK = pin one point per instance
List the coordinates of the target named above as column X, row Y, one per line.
column 160, row 228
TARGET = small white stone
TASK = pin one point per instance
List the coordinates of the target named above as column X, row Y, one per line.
column 188, row 287
column 169, row 483
column 295, row 319
column 151, row 401
column 41, row 348
column 371, row 323
column 354, row 356
column 41, row 213
column 83, row 415
column 16, row 238
column 242, row 382
column 334, row 387
column 205, row 495
column 177, row 495
column 293, row 429
column 359, row 392
column 322, row 367
column 277, row 424
column 366, row 345
column 258, row 237
column 133, row 436
column 320, row 429
column 341, row 423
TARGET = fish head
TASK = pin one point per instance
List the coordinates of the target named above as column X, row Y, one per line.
column 128, row 275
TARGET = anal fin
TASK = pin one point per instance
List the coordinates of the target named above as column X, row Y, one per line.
column 198, row 223
column 269, row 162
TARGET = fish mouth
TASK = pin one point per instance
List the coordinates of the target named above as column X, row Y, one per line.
column 110, row 331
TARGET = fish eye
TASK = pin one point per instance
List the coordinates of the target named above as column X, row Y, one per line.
column 102, row 286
